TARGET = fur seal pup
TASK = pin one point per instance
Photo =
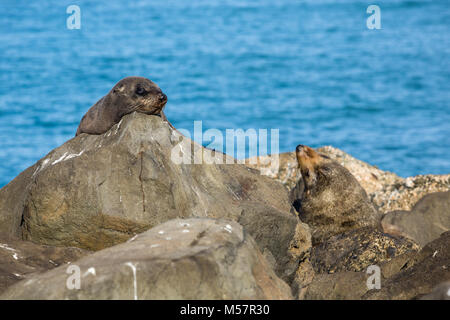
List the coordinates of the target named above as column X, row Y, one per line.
column 128, row 95
column 332, row 201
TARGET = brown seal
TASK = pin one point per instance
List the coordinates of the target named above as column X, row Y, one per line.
column 128, row 95
column 329, row 198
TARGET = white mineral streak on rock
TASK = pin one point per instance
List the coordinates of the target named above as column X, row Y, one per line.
column 65, row 157
column 5, row 246
column 90, row 271
column 41, row 167
column 73, row 155
column 129, row 240
column 133, row 267
column 118, row 126
column 53, row 262
column 60, row 159
column 36, row 171
column 228, row 228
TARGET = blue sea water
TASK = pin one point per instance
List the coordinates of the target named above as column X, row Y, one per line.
column 311, row 69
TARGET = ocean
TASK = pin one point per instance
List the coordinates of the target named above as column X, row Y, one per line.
column 312, row 69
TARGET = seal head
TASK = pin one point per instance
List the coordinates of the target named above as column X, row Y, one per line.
column 308, row 162
column 138, row 94
column 128, row 95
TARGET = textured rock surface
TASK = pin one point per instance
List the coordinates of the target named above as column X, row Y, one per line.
column 180, row 259
column 22, row 259
column 405, row 195
column 95, row 191
column 338, row 286
column 385, row 189
column 427, row 220
column 276, row 234
column 303, row 278
column 441, row 292
column 410, row 275
column 356, row 250
column 419, row 274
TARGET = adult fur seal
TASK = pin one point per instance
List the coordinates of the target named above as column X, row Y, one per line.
column 330, row 199
column 128, row 95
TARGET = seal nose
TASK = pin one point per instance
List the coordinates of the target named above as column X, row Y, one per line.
column 162, row 97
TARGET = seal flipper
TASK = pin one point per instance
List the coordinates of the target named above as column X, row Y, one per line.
column 79, row 126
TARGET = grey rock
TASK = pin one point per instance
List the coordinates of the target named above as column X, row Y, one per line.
column 23, row 259
column 196, row 258
column 427, row 220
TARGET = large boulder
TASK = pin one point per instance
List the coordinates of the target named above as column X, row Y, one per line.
column 195, row 258
column 96, row 191
column 22, row 259
column 427, row 220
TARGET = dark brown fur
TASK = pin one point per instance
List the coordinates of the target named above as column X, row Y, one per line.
column 128, row 95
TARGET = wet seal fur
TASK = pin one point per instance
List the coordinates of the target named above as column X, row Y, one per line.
column 329, row 198
column 128, row 95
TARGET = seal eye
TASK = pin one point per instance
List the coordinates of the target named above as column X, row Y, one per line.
column 140, row 91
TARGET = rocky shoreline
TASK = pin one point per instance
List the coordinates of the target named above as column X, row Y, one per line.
column 136, row 225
